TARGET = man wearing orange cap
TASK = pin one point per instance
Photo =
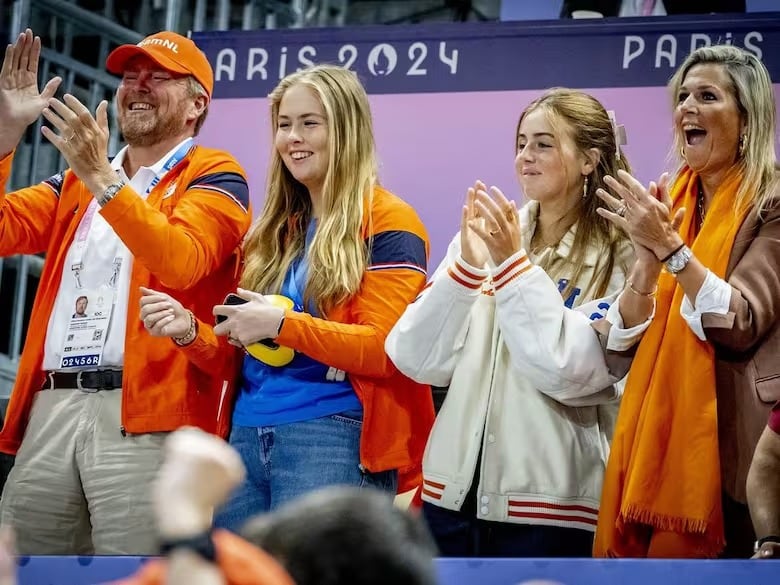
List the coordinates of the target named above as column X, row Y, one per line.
column 95, row 396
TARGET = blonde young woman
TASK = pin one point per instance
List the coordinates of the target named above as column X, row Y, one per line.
column 707, row 371
column 348, row 256
column 514, row 464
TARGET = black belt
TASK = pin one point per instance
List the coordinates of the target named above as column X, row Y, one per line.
column 90, row 381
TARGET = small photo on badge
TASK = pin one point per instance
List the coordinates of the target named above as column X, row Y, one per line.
column 80, row 310
column 97, row 335
column 70, row 337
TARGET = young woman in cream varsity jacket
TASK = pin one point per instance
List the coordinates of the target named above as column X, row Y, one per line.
column 513, row 321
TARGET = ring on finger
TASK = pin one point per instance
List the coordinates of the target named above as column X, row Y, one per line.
column 621, row 211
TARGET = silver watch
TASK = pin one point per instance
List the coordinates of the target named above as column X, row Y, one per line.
column 110, row 193
column 678, row 260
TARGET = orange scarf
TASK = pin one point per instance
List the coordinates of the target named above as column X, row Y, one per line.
column 662, row 491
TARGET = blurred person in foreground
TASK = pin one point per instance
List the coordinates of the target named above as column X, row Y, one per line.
column 329, row 537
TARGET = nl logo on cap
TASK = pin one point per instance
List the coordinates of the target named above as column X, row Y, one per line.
column 160, row 42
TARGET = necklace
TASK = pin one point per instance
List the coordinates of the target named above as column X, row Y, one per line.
column 700, row 205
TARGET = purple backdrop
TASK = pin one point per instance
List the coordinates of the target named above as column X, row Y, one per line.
column 433, row 146
column 446, row 98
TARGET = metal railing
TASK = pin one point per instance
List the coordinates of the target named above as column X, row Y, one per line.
column 67, row 27
column 36, row 159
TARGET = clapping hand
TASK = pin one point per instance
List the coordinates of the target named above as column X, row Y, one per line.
column 20, row 101
column 500, row 230
column 472, row 248
column 645, row 214
column 82, row 140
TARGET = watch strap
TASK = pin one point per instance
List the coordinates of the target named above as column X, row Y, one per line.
column 110, row 193
column 202, row 544
column 763, row 540
column 679, row 260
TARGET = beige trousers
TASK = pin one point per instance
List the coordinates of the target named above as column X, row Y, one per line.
column 78, row 486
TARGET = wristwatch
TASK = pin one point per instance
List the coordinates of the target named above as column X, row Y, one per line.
column 110, row 193
column 678, row 260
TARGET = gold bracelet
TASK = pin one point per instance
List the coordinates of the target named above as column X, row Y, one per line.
column 649, row 295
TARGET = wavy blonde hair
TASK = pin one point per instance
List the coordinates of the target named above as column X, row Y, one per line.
column 582, row 118
column 752, row 89
column 337, row 256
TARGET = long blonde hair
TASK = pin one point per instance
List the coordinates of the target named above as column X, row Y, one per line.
column 584, row 119
column 337, row 256
column 752, row 89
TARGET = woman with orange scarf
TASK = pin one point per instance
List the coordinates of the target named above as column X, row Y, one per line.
column 706, row 372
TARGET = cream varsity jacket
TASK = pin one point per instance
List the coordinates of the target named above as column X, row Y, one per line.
column 528, row 381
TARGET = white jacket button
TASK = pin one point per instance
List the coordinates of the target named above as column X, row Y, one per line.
column 484, row 510
column 485, row 499
column 491, row 438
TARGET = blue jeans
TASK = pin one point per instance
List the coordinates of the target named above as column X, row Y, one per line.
column 460, row 534
column 286, row 461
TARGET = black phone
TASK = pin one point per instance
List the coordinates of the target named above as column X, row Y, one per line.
column 233, row 299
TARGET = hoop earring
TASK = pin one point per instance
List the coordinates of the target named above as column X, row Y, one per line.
column 585, row 188
column 741, row 145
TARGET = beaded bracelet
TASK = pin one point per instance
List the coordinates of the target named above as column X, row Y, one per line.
column 191, row 334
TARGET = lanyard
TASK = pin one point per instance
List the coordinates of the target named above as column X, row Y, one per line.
column 295, row 275
column 174, row 159
column 299, row 269
column 80, row 242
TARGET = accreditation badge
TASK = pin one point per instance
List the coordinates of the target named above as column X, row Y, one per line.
column 87, row 330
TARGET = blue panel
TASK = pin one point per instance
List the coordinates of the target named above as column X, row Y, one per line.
column 613, row 52
column 91, row 570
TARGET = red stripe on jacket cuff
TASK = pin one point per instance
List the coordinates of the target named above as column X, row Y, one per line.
column 511, row 267
column 462, row 282
column 506, row 281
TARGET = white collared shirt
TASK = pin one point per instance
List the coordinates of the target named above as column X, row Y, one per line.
column 103, row 246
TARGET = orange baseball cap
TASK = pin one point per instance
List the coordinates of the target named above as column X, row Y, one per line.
column 169, row 50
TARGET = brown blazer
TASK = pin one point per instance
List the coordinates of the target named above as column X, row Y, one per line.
column 747, row 346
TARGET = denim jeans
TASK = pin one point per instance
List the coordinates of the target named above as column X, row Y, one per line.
column 286, row 461
column 460, row 534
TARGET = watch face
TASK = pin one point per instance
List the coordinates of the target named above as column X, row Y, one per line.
column 679, row 261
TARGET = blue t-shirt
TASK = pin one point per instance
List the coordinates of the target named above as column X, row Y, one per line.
column 304, row 389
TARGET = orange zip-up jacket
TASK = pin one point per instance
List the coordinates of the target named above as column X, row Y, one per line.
column 185, row 240
column 397, row 412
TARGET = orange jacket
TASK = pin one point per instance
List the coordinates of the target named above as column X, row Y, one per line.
column 240, row 562
column 397, row 412
column 185, row 239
